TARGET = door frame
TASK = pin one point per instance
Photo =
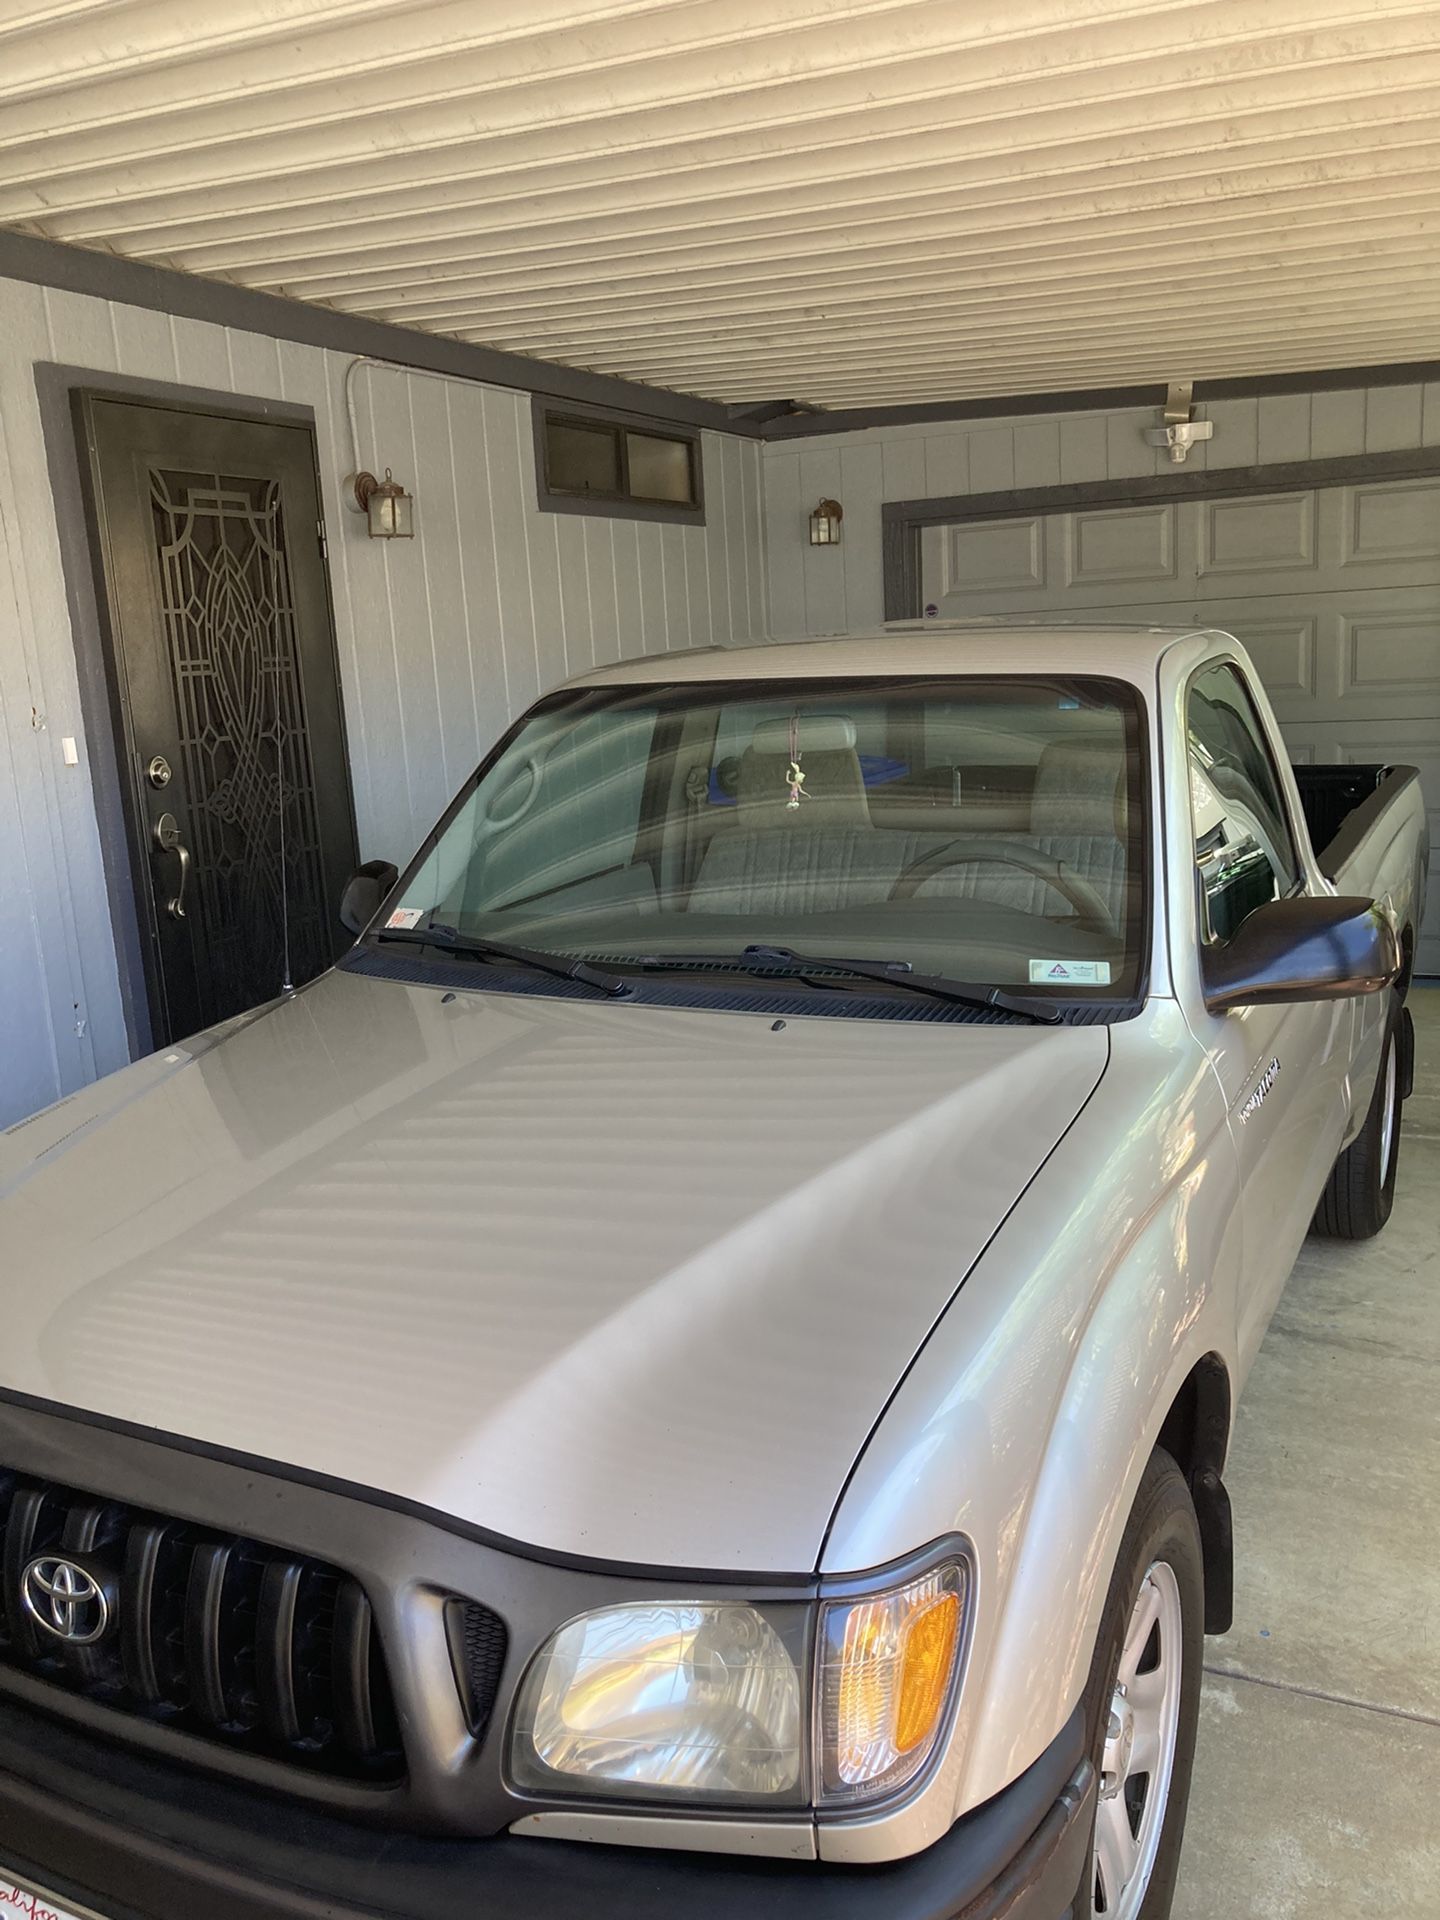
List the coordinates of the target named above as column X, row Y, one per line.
column 903, row 521
column 66, row 396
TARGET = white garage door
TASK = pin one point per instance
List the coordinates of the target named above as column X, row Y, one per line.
column 1335, row 592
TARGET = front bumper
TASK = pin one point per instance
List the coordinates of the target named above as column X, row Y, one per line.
column 137, row 1839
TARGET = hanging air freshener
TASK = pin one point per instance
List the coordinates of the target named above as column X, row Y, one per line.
column 795, row 778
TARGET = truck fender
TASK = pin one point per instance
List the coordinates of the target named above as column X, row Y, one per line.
column 1151, row 1330
column 1025, row 1423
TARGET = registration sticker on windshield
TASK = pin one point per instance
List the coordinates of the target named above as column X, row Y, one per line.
column 1069, row 973
column 406, row 917
column 20, row 1900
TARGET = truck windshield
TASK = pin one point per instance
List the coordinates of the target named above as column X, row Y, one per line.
column 987, row 831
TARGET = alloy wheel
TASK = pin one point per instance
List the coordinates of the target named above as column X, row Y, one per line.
column 1387, row 1114
column 1139, row 1757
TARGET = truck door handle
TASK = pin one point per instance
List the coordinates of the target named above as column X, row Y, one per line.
column 167, row 838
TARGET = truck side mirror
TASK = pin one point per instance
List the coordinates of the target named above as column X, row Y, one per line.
column 364, row 891
column 1301, row 949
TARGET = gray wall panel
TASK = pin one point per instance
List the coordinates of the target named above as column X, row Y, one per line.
column 629, row 599
column 672, row 579
column 1037, row 453
column 785, row 512
column 76, row 1022
column 862, row 490
column 1284, row 426
column 29, row 1066
column 697, row 580
column 1393, row 418
column 1084, row 448
column 1337, row 425
column 599, row 539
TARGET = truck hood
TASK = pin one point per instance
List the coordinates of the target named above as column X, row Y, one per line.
column 621, row 1282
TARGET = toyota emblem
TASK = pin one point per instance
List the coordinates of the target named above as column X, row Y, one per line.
column 65, row 1600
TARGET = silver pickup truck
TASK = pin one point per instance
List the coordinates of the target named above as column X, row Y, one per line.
column 690, row 1374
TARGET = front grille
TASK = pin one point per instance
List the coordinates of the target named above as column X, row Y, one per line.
column 249, row 1646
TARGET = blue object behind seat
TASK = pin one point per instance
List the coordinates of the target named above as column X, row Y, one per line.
column 875, row 771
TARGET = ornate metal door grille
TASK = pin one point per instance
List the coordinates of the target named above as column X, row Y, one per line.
column 229, row 622
column 220, row 647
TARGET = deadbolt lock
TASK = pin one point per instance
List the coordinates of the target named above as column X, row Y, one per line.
column 158, row 771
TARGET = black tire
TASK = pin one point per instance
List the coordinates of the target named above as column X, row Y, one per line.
column 1161, row 1527
column 1360, row 1192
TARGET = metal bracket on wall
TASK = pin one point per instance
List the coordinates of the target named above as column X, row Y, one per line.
column 1179, row 402
column 1181, row 430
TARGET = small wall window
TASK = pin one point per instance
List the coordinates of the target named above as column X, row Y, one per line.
column 611, row 464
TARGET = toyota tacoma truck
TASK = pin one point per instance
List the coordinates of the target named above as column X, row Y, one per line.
column 690, row 1373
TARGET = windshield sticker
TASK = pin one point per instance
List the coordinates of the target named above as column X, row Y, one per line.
column 1069, row 973
column 406, row 917
column 30, row 1905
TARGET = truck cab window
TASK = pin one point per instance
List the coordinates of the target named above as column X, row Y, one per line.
column 1244, row 852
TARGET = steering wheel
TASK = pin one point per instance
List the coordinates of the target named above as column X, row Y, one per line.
column 1088, row 903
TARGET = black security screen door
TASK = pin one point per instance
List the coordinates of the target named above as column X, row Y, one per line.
column 223, row 666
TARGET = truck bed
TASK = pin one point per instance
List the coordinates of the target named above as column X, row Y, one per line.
column 1343, row 801
column 1369, row 829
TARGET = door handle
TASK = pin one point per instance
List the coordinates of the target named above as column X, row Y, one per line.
column 167, row 838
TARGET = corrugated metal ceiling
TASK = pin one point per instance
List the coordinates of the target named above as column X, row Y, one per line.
column 849, row 201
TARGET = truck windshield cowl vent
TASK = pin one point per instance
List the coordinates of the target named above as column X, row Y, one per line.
column 255, row 1648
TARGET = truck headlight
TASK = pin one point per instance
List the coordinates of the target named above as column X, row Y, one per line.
column 787, row 1704
column 686, row 1699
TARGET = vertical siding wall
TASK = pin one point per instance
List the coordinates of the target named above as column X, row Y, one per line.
column 442, row 639
column 835, row 590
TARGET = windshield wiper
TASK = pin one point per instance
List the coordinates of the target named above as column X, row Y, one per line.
column 895, row 973
column 451, row 940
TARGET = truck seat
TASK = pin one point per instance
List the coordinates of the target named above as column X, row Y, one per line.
column 826, row 855
column 811, row 858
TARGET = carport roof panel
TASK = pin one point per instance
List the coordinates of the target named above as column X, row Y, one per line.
column 853, row 202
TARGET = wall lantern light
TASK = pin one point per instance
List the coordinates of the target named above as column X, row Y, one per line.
column 388, row 507
column 825, row 524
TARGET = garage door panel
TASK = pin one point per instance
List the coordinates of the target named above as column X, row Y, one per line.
column 1390, row 523
column 1294, row 643
column 1129, row 561
column 1286, row 650
column 994, row 556
column 1336, row 540
column 1134, row 547
column 1275, row 534
column 1361, row 656
column 1390, row 652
